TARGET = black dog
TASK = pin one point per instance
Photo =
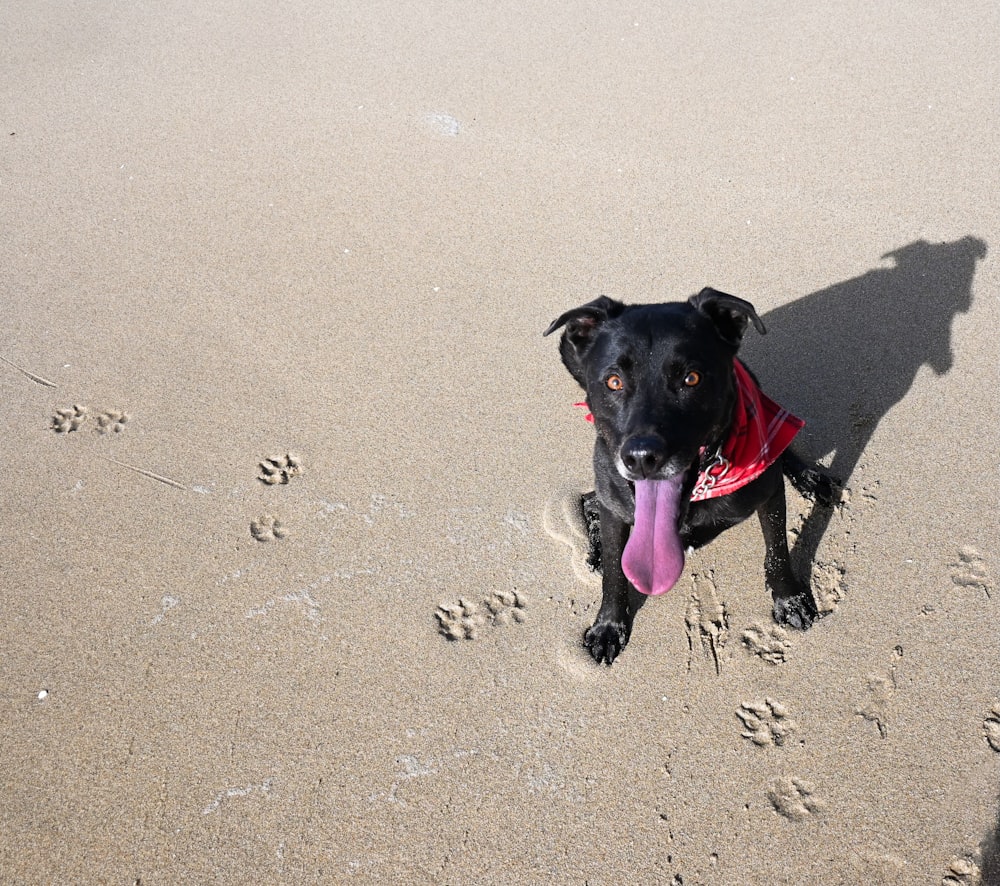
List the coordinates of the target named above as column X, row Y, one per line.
column 687, row 446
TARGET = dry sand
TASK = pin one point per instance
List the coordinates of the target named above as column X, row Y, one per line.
column 238, row 231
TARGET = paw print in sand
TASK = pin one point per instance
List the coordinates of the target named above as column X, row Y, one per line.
column 65, row 421
column 462, row 620
column 268, row 527
column 706, row 619
column 767, row 722
column 279, row 470
column 505, row 606
column 962, row 871
column 768, row 642
column 828, row 586
column 969, row 571
column 459, row 621
column 794, row 799
column 111, row 421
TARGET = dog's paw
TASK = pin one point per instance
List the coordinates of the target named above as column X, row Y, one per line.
column 606, row 639
column 823, row 489
column 813, row 483
column 795, row 610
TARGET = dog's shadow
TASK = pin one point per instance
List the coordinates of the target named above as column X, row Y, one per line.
column 990, row 850
column 842, row 357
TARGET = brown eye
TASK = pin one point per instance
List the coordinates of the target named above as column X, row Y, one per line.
column 692, row 379
column 614, row 382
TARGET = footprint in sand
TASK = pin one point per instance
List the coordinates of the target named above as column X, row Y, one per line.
column 462, row 620
column 969, row 571
column 767, row 722
column 706, row 619
column 768, row 642
column 881, row 691
column 794, row 799
column 111, row 421
column 70, row 419
column 506, row 606
column 279, row 470
column 872, row 490
column 459, row 621
column 962, row 871
column 828, row 586
column 564, row 520
column 65, row 421
column 267, row 527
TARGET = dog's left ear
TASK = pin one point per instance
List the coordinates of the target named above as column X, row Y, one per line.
column 729, row 314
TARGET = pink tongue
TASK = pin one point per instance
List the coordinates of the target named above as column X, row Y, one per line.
column 653, row 559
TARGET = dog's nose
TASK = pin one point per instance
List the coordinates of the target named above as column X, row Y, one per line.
column 644, row 457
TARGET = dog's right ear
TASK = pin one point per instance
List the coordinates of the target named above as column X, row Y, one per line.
column 582, row 325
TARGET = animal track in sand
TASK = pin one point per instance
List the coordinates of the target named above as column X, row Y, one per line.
column 768, row 642
column 827, row 586
column 962, row 871
column 70, row 419
column 706, row 620
column 459, row 621
column 991, row 727
column 565, row 521
column 969, row 571
column 275, row 471
column 872, row 490
column 793, row 798
column 881, row 690
column 505, row 606
column 111, row 420
column 767, row 722
column 462, row 620
column 65, row 421
column 268, row 527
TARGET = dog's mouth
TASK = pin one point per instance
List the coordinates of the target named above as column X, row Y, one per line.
column 653, row 559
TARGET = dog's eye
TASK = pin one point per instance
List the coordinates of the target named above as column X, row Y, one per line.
column 693, row 378
column 614, row 382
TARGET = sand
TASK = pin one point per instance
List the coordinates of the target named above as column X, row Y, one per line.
column 317, row 244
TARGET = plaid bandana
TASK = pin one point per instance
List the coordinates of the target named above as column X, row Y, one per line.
column 760, row 432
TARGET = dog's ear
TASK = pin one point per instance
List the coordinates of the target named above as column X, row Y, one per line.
column 582, row 325
column 729, row 314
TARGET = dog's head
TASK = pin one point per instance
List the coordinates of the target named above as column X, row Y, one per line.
column 659, row 378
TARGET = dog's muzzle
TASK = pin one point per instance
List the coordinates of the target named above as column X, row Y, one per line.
column 646, row 457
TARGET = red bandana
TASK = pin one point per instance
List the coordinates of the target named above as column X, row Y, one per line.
column 761, row 431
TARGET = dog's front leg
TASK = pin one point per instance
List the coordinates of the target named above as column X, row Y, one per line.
column 793, row 601
column 607, row 637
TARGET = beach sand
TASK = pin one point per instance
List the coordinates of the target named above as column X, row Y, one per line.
column 327, row 238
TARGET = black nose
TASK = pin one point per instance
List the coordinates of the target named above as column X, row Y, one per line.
column 644, row 457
